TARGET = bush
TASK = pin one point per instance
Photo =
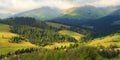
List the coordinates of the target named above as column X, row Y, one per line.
column 109, row 53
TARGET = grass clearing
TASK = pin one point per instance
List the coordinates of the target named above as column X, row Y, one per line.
column 107, row 41
column 53, row 45
column 6, row 47
column 4, row 28
column 5, row 32
column 75, row 35
column 7, row 35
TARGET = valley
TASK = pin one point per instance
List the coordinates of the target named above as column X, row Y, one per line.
column 77, row 30
column 52, row 37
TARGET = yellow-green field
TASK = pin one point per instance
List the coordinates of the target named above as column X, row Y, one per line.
column 5, row 32
column 52, row 46
column 113, row 40
column 4, row 28
column 75, row 35
column 6, row 46
column 7, row 35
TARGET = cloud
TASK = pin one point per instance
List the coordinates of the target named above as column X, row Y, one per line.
column 82, row 1
column 97, row 3
column 15, row 6
column 104, row 3
column 23, row 5
column 62, row 4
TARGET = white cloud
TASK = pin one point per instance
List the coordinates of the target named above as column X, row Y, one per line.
column 98, row 3
column 23, row 5
column 104, row 3
column 62, row 4
column 20, row 5
column 15, row 6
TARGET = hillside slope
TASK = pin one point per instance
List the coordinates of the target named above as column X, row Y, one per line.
column 106, row 42
column 7, row 47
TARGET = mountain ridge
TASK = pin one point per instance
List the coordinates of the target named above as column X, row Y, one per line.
column 43, row 13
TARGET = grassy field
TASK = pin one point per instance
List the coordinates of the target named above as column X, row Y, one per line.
column 4, row 28
column 113, row 40
column 7, row 35
column 54, row 45
column 6, row 46
column 75, row 35
column 5, row 32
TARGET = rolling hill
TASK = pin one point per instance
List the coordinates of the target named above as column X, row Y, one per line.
column 86, row 12
column 43, row 32
column 7, row 47
column 103, row 21
column 78, row 15
column 65, row 46
column 75, row 35
column 106, row 25
column 107, row 41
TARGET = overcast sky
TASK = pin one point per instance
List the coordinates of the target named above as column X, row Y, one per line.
column 15, row 6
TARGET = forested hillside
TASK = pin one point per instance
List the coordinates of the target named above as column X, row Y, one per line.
column 55, row 41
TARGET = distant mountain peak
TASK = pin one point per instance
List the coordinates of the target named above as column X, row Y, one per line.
column 5, row 15
column 43, row 13
column 87, row 12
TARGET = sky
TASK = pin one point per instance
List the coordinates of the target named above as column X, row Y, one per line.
column 16, row 6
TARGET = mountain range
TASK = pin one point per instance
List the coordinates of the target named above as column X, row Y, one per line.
column 86, row 33
column 79, row 13
column 5, row 15
column 86, row 16
column 44, row 13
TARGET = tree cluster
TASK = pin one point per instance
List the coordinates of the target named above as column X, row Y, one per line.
column 40, row 36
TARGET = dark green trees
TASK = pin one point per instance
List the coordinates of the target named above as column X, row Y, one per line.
column 17, row 39
column 40, row 36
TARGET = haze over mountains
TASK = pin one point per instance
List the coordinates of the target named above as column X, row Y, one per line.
column 5, row 15
column 85, row 12
column 89, row 12
column 44, row 13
